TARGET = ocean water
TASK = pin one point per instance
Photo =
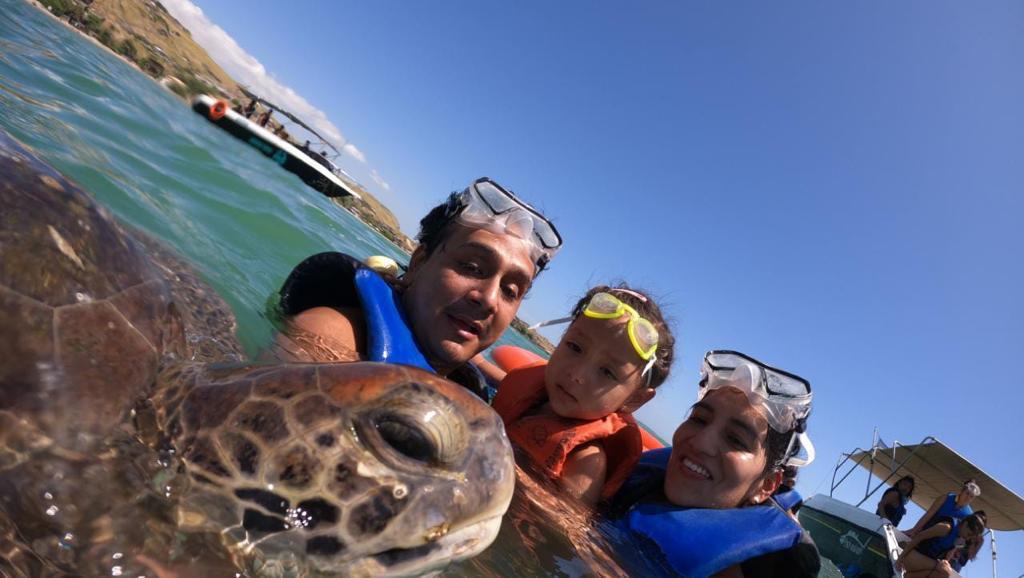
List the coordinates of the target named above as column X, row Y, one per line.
column 240, row 220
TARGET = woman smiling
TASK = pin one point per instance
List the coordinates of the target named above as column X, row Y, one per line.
column 707, row 501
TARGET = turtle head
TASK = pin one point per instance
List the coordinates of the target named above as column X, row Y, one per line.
column 347, row 469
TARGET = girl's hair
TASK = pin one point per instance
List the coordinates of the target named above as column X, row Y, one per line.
column 913, row 484
column 649, row 310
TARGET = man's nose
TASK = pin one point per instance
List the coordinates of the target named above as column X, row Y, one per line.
column 487, row 294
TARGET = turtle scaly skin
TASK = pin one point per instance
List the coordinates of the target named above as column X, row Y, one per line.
column 123, row 451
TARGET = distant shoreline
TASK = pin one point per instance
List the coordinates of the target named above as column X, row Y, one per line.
column 67, row 24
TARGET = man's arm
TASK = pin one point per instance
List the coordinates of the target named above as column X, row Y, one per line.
column 324, row 334
column 491, row 371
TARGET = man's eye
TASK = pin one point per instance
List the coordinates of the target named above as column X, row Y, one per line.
column 470, row 267
column 511, row 292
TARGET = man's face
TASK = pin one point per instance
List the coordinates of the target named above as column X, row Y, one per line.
column 462, row 297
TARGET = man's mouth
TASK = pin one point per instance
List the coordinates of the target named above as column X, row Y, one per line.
column 466, row 326
column 693, row 469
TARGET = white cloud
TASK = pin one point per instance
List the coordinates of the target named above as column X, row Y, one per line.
column 351, row 150
column 244, row 68
column 380, row 181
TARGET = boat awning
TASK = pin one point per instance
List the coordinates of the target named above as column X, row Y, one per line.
column 938, row 470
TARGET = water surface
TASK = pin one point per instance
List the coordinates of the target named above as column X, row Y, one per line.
column 242, row 222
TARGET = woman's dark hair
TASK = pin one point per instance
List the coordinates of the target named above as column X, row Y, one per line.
column 649, row 310
column 976, row 522
column 913, row 484
column 775, row 448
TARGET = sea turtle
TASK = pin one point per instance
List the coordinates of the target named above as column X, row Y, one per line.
column 120, row 441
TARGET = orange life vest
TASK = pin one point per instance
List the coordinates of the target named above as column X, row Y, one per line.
column 549, row 439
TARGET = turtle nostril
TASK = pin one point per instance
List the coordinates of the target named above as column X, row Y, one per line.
column 406, row 439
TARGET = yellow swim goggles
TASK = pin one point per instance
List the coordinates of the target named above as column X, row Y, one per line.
column 642, row 333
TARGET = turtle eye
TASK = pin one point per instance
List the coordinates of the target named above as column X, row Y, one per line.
column 422, row 425
column 406, row 439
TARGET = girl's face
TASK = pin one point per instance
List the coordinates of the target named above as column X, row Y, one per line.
column 595, row 371
column 719, row 454
column 905, row 486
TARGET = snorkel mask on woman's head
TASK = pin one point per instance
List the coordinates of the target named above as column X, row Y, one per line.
column 784, row 397
column 487, row 205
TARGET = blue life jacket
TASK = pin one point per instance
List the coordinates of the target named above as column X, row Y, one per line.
column 699, row 542
column 948, row 509
column 936, row 548
column 389, row 339
column 333, row 279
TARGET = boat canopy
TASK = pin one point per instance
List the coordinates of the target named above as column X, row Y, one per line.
column 290, row 117
column 938, row 470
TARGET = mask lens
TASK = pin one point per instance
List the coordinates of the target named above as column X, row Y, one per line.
column 496, row 200
column 645, row 337
column 604, row 305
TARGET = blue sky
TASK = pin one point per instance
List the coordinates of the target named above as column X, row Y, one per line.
column 831, row 187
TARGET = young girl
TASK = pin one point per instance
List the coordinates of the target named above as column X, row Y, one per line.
column 707, row 502
column 572, row 415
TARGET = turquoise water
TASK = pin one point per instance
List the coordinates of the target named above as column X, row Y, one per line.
column 242, row 221
column 238, row 217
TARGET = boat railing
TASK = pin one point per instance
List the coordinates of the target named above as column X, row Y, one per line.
column 869, row 456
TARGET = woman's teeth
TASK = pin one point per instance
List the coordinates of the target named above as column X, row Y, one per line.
column 696, row 468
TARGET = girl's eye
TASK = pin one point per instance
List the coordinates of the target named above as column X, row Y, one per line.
column 574, row 347
column 609, row 374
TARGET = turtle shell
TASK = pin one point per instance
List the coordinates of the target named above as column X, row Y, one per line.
column 84, row 317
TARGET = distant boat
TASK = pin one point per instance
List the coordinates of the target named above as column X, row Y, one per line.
column 312, row 167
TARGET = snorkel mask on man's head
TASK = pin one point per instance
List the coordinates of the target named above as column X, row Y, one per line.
column 784, row 397
column 487, row 205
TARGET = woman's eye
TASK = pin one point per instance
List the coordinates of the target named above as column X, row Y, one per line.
column 739, row 443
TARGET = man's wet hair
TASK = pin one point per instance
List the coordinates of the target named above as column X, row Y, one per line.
column 649, row 310
column 438, row 224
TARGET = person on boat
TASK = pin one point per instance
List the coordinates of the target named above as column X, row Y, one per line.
column 707, row 503
column 265, row 117
column 968, row 551
column 479, row 253
column 250, row 108
column 952, row 505
column 893, row 505
column 572, row 415
column 928, row 552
